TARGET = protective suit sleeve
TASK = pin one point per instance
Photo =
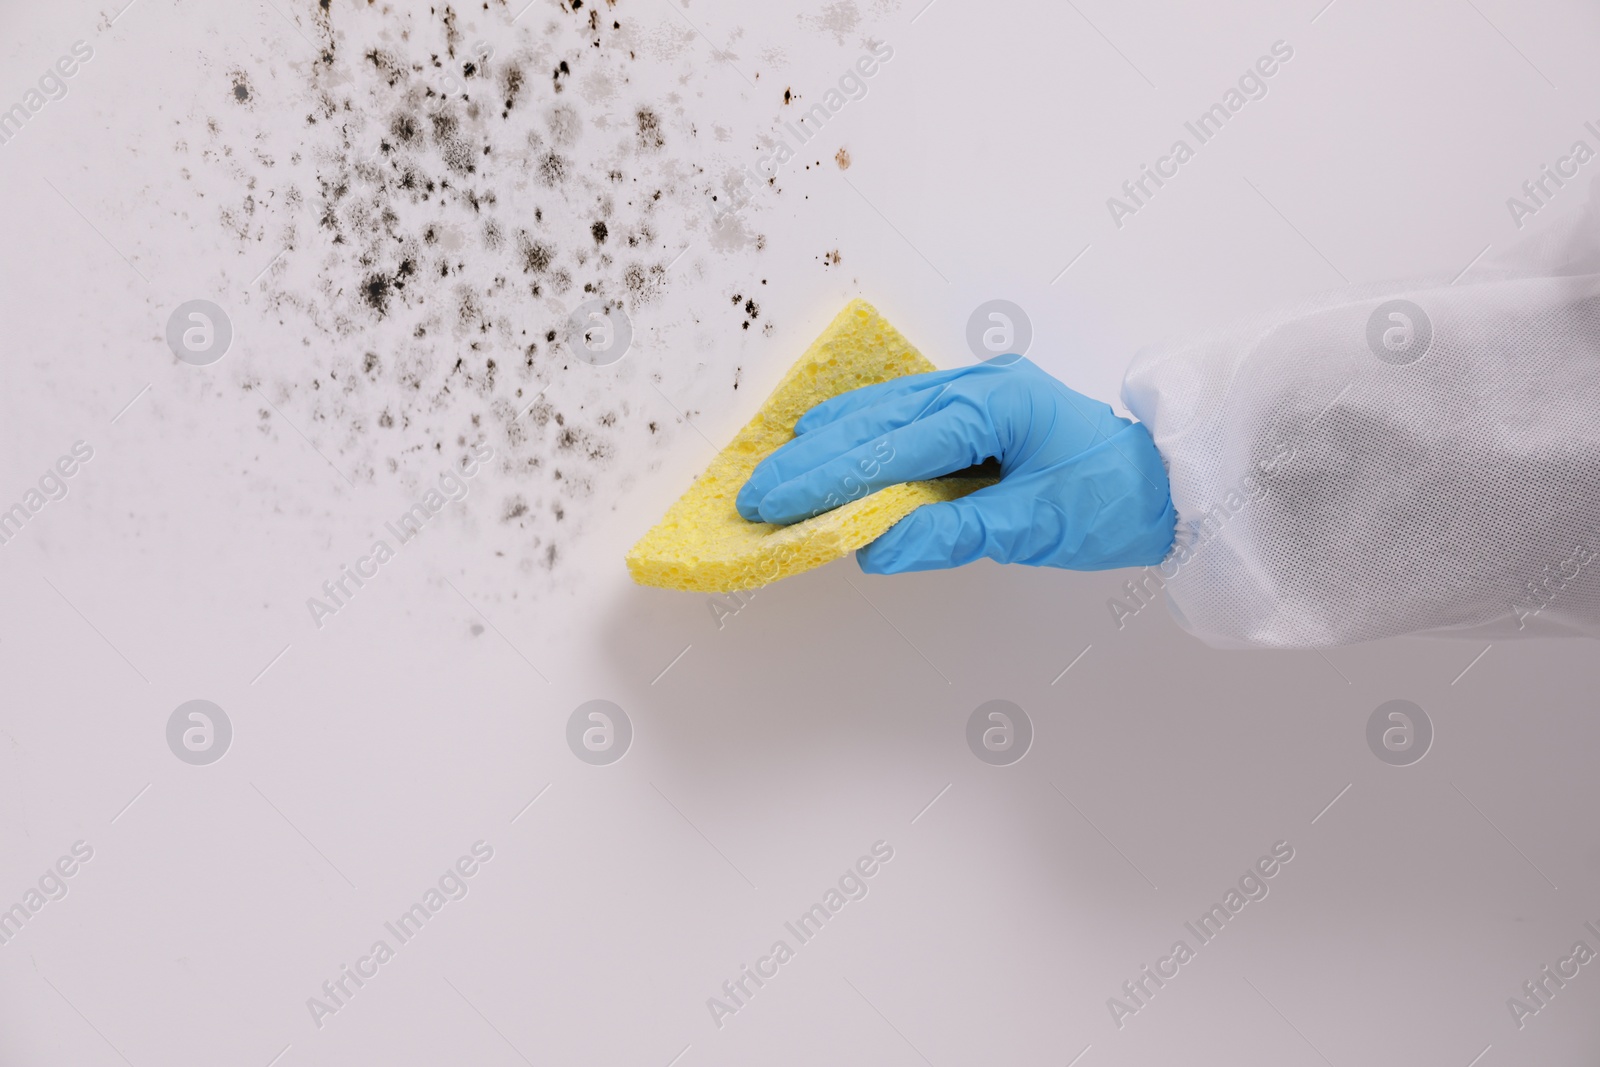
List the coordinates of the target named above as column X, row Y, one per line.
column 1387, row 460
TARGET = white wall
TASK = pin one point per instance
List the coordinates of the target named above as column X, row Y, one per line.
column 772, row 751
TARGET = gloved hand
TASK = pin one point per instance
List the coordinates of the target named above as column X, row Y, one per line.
column 1080, row 487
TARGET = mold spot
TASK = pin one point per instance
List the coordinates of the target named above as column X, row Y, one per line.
column 650, row 136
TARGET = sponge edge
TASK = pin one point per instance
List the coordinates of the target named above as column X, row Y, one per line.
column 704, row 545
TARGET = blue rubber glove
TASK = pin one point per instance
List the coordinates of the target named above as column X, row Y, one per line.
column 1080, row 487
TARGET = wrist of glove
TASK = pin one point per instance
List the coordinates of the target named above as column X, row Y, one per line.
column 1080, row 487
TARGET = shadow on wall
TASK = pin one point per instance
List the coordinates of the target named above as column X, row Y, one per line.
column 852, row 686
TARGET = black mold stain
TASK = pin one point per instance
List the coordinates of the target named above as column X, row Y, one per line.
column 376, row 291
column 536, row 255
column 510, row 88
column 650, row 137
column 552, row 169
column 643, row 283
column 455, row 149
column 424, row 274
column 405, row 129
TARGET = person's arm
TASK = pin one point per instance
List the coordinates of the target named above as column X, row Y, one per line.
column 1378, row 461
column 1391, row 459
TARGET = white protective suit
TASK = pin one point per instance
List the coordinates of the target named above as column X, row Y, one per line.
column 1391, row 459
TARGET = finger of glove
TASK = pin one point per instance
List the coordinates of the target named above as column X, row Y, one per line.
column 804, row 454
column 836, row 408
column 940, row 536
column 950, row 439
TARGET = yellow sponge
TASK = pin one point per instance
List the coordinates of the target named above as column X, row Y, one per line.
column 703, row 544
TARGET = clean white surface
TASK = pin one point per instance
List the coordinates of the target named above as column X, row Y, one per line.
column 819, row 719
